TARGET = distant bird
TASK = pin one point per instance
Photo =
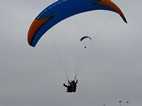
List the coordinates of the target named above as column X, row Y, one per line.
column 62, row 9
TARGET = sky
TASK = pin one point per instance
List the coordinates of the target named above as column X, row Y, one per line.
column 109, row 69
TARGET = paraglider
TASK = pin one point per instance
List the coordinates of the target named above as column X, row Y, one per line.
column 85, row 37
column 62, row 9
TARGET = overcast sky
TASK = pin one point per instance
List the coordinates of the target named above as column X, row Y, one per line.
column 109, row 69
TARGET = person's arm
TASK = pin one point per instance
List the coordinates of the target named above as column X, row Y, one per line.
column 65, row 85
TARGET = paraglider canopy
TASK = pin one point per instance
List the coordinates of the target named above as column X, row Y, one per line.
column 85, row 37
column 62, row 9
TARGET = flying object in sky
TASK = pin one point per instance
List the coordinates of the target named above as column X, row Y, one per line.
column 85, row 37
column 71, row 87
column 63, row 9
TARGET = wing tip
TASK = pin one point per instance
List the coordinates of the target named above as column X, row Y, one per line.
column 35, row 26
